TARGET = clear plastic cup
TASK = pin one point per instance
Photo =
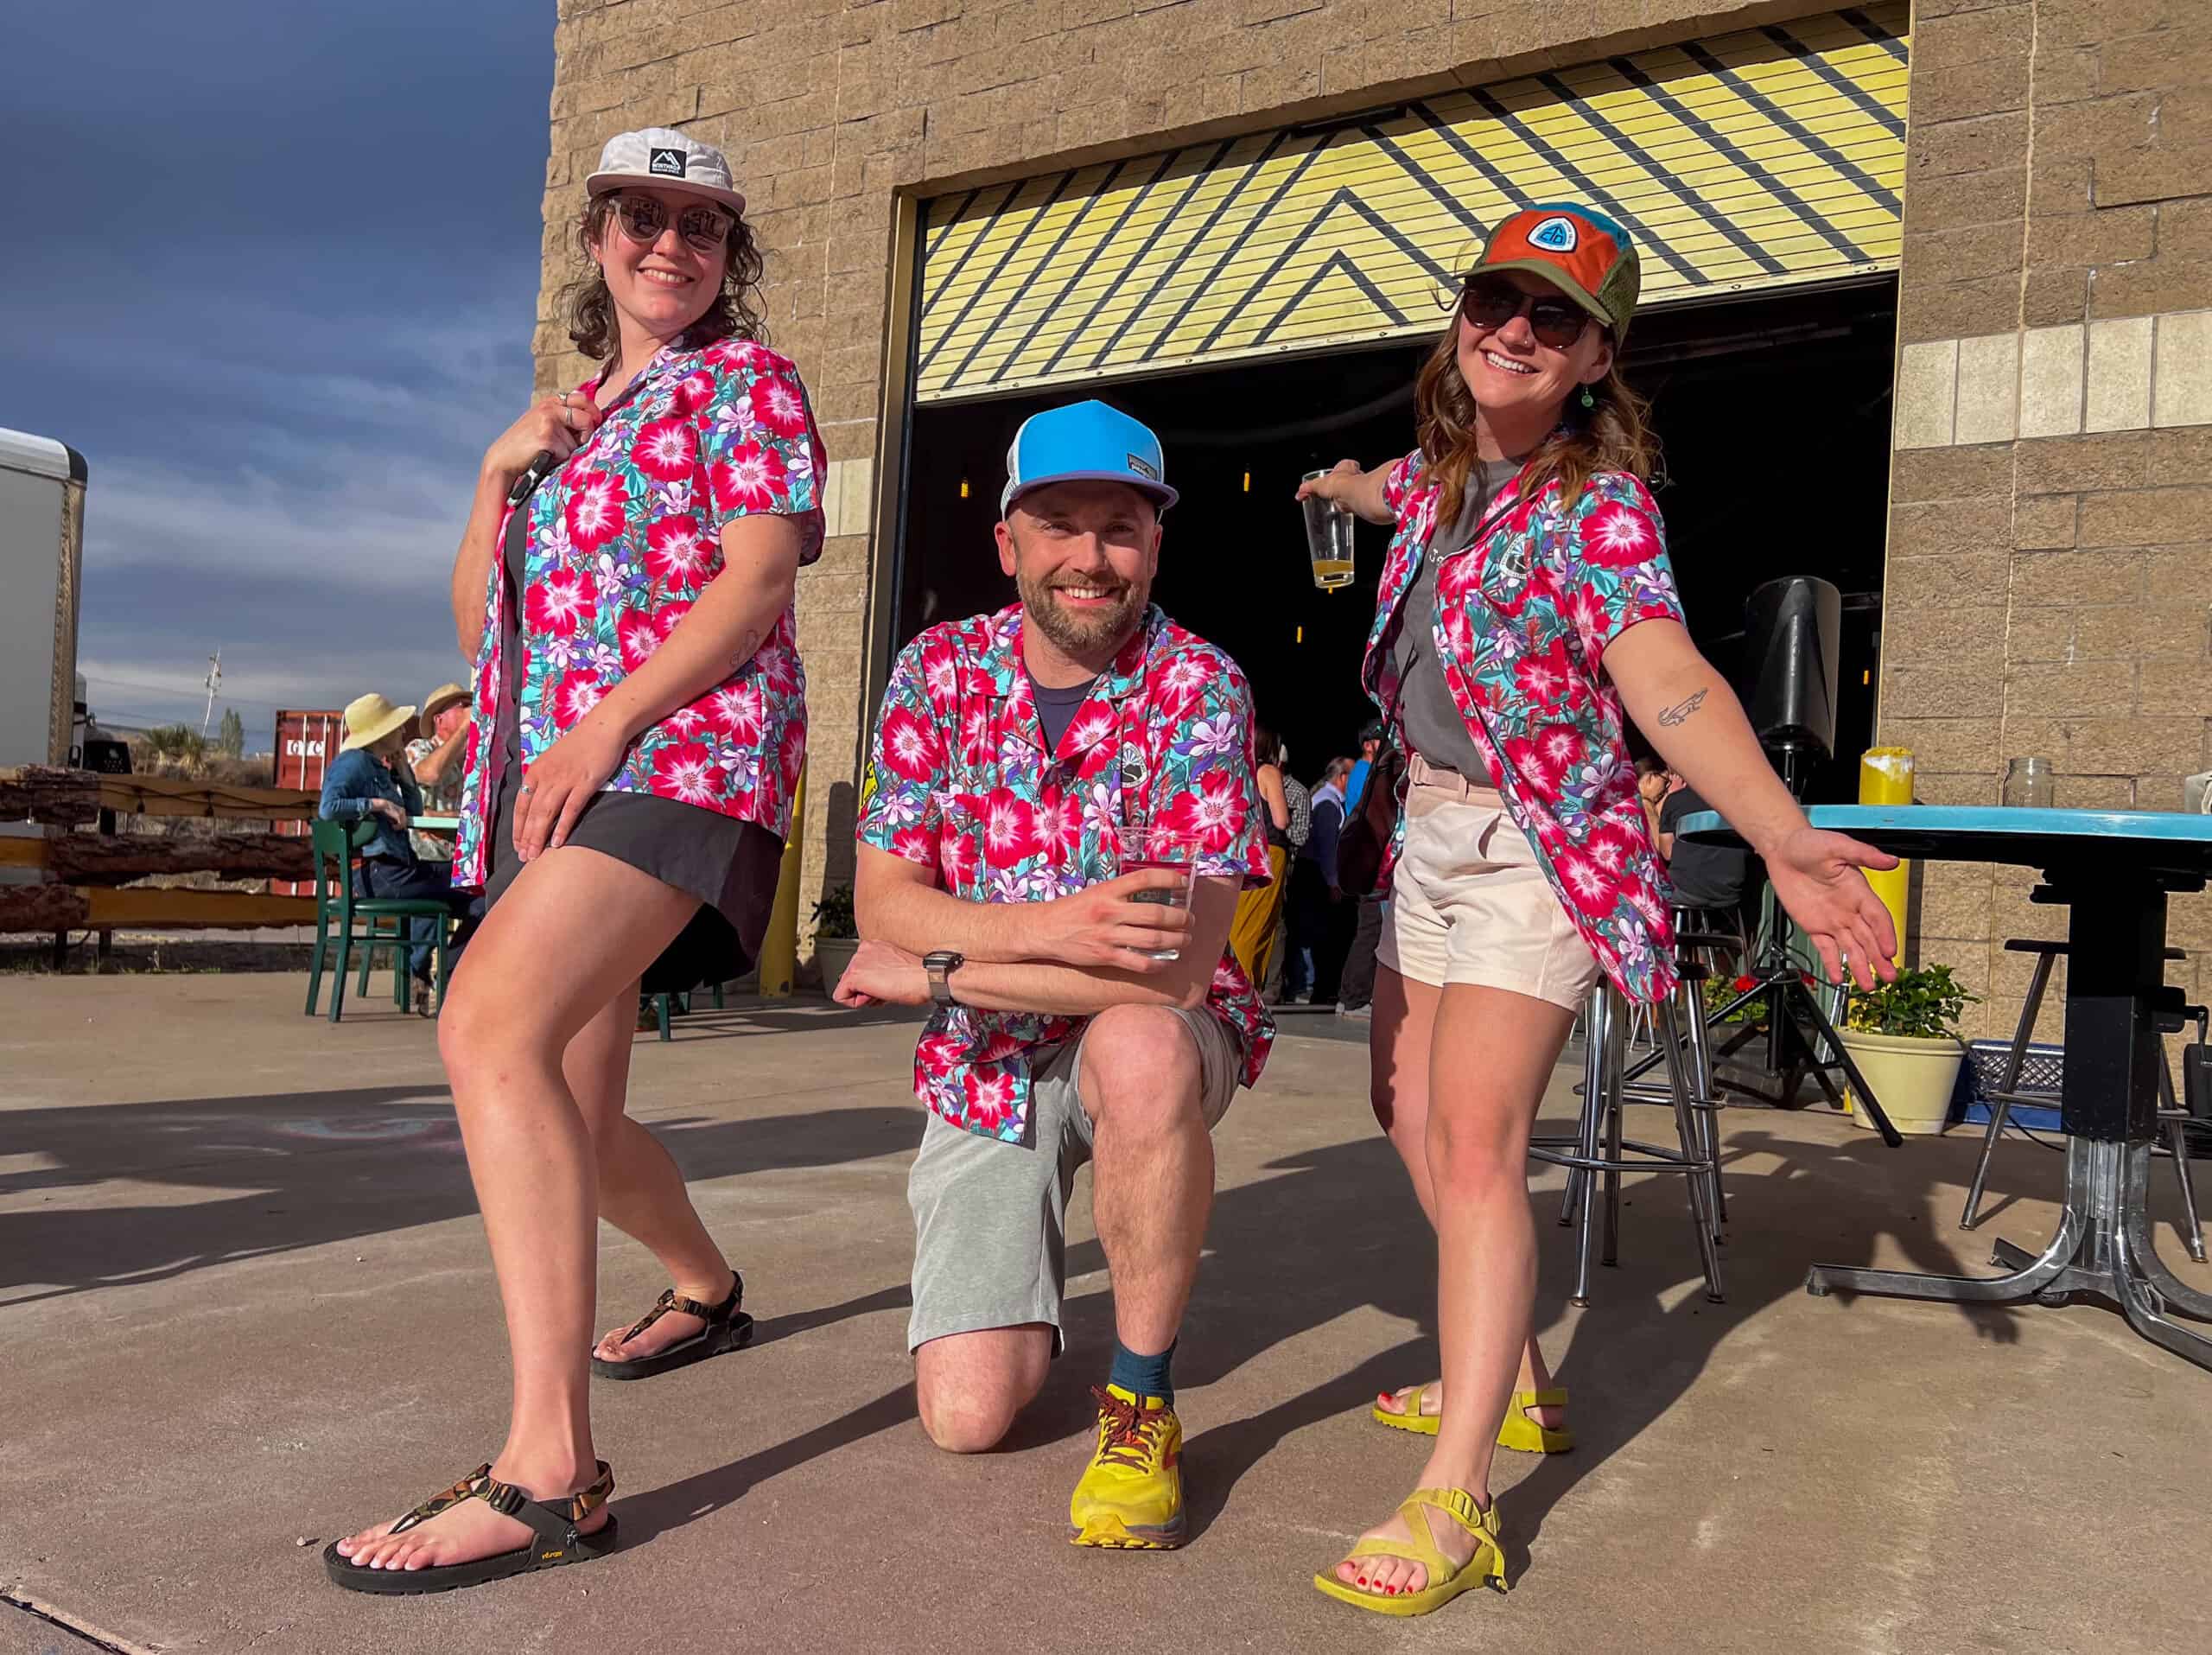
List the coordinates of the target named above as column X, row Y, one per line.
column 1328, row 538
column 1164, row 848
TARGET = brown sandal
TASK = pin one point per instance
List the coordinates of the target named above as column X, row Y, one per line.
column 727, row 1329
column 557, row 1542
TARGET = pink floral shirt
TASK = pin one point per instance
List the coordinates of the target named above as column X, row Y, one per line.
column 1522, row 619
column 959, row 782
column 622, row 539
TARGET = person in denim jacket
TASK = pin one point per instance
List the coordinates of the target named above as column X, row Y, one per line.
column 369, row 781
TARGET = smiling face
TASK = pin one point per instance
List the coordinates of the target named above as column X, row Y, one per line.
column 665, row 285
column 1510, row 371
column 1083, row 555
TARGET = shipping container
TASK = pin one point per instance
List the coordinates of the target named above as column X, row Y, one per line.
column 305, row 744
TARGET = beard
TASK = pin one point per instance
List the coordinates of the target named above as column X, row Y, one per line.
column 1092, row 632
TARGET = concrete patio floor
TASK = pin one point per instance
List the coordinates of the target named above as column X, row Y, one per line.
column 245, row 1304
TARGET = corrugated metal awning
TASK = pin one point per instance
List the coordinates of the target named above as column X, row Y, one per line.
column 1769, row 156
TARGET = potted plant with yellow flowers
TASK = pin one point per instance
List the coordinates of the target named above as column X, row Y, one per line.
column 1904, row 1038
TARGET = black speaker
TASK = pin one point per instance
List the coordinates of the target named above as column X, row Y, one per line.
column 1791, row 631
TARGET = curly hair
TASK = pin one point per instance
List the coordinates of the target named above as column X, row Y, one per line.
column 739, row 310
column 1613, row 436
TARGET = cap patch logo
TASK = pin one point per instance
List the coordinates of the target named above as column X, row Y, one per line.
column 1554, row 235
column 666, row 163
column 1143, row 467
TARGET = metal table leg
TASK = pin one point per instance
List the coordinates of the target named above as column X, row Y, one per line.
column 2102, row 1246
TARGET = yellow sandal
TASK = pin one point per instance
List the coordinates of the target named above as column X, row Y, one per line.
column 1485, row 1568
column 1518, row 1431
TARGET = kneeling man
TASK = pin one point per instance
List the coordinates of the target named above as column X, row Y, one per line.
column 1024, row 762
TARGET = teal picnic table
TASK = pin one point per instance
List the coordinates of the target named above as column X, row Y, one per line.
column 434, row 824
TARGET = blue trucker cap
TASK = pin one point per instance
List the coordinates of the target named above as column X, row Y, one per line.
column 1085, row 442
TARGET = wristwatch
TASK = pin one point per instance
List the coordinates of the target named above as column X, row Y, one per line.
column 940, row 965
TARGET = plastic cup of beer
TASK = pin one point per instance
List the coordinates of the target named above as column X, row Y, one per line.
column 1176, row 852
column 1328, row 538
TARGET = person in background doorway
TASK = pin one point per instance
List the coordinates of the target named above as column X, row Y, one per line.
column 1280, row 972
column 1370, row 743
column 1651, row 788
column 1252, row 933
column 437, row 757
column 1711, row 877
column 369, row 780
column 1079, row 1017
column 1527, row 610
column 639, row 727
column 1314, row 898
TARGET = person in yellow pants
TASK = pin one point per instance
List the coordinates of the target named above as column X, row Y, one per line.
column 1252, row 933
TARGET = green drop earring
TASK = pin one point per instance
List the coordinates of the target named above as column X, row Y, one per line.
column 1588, row 401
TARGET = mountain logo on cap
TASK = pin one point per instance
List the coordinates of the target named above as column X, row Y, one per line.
column 1554, row 235
column 1142, row 466
column 666, row 163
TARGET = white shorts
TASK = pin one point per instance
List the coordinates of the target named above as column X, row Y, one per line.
column 1469, row 902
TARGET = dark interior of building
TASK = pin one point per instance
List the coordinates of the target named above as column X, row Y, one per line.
column 1773, row 413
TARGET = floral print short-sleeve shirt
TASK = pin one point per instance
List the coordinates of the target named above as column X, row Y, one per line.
column 1523, row 615
column 621, row 540
column 959, row 782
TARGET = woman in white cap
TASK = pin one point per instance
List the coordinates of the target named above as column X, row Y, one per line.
column 369, row 782
column 1527, row 611
column 638, row 730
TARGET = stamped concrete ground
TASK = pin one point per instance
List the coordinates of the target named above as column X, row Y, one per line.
column 245, row 1306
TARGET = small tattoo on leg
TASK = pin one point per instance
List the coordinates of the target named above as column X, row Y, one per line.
column 1673, row 716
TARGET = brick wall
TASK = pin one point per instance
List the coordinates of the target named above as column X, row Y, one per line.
column 828, row 108
column 2050, row 529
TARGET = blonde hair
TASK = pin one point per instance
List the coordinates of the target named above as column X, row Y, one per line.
column 1613, row 436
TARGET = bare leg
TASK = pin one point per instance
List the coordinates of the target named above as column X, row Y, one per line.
column 1152, row 1171
column 641, row 1193
column 1398, row 1058
column 967, row 1387
column 1490, row 1056
column 572, row 934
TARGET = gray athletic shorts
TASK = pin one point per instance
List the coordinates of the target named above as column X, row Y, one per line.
column 991, row 1240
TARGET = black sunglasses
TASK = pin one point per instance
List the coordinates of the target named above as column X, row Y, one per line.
column 643, row 217
column 1554, row 319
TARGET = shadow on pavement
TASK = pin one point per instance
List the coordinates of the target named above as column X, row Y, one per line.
column 1337, row 1230
column 320, row 1167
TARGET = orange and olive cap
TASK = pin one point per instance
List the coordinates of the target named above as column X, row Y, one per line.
column 1580, row 251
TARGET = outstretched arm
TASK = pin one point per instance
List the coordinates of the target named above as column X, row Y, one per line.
column 1687, row 711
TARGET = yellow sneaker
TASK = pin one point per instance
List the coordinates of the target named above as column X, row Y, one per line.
column 1131, row 1496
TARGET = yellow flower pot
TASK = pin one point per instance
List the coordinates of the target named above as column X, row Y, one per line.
column 1912, row 1077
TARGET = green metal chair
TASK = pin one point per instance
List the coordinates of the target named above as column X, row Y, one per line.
column 661, row 1004
column 362, row 919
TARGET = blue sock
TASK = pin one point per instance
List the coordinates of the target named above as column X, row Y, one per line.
column 1144, row 1376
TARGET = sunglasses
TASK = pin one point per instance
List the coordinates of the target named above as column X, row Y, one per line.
column 1554, row 319
column 643, row 217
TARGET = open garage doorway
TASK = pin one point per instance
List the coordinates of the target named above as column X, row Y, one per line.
column 1773, row 413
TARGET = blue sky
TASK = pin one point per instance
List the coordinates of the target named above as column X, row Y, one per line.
column 271, row 269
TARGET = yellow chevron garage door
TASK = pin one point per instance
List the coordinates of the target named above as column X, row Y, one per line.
column 1752, row 160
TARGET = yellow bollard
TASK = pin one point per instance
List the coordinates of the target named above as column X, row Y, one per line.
column 780, row 948
column 1885, row 778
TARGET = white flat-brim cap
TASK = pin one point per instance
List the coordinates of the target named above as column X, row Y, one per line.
column 661, row 158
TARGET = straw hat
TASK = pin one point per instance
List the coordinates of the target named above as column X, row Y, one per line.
column 445, row 695
column 371, row 718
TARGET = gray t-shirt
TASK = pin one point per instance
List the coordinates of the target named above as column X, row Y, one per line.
column 1433, row 725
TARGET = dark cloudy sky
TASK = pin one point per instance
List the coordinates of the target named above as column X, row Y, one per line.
column 271, row 269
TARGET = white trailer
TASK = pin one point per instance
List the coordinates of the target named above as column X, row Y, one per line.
column 41, row 569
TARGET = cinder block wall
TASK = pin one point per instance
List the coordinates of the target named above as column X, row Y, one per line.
column 2050, row 525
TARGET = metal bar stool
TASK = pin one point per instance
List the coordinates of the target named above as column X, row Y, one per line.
column 1597, row 1149
column 2172, row 1115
